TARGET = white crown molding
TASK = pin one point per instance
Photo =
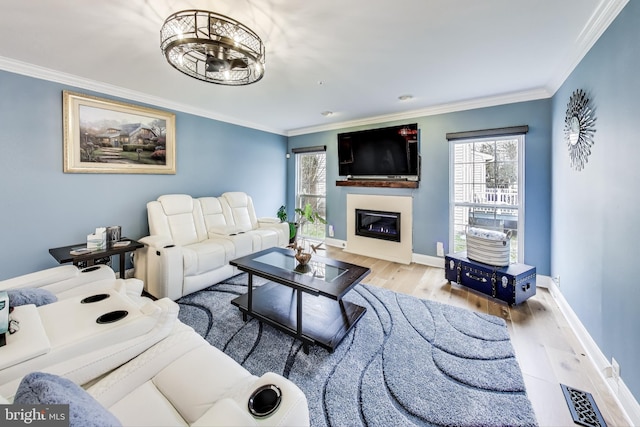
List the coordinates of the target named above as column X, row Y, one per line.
column 37, row 72
column 471, row 104
column 602, row 17
column 605, row 13
column 597, row 24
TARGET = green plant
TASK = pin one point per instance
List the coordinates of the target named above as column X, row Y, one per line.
column 303, row 215
column 282, row 213
column 307, row 214
column 282, row 216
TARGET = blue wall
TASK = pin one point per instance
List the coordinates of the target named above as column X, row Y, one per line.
column 431, row 199
column 42, row 207
column 595, row 227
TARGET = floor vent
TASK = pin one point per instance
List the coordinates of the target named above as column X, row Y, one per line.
column 583, row 408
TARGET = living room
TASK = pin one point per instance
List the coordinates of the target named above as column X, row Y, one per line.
column 578, row 227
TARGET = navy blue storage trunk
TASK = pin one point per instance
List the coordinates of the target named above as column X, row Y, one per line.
column 512, row 284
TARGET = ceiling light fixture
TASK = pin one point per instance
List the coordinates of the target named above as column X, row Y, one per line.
column 327, row 113
column 212, row 47
column 405, row 97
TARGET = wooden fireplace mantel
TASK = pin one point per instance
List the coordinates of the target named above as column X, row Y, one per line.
column 377, row 183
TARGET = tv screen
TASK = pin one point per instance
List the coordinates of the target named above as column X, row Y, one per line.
column 390, row 152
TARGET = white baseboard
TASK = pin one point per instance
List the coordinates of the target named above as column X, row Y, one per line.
column 428, row 260
column 543, row 281
column 335, row 243
column 619, row 390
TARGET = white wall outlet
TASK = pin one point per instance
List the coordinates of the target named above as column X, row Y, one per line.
column 556, row 279
column 330, row 230
column 440, row 249
column 615, row 369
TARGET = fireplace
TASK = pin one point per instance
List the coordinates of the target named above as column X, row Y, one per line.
column 380, row 247
column 378, row 224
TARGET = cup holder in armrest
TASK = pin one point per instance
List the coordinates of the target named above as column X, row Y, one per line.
column 112, row 316
column 94, row 298
column 265, row 400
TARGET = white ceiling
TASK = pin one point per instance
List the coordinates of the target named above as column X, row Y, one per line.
column 352, row 57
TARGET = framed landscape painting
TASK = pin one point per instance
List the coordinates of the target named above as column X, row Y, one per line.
column 107, row 136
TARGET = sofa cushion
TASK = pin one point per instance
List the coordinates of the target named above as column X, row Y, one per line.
column 242, row 210
column 147, row 406
column 177, row 216
column 263, row 238
column 199, row 378
column 214, row 212
column 173, row 204
column 39, row 388
column 202, row 257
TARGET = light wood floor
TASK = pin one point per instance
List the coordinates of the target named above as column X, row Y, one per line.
column 546, row 348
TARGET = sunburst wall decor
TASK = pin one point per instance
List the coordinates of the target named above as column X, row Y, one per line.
column 579, row 128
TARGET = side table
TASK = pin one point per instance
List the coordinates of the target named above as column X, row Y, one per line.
column 63, row 254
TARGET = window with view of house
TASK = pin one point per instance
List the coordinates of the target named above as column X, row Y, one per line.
column 311, row 187
column 486, row 188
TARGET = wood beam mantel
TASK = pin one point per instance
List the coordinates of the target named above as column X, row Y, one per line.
column 377, row 183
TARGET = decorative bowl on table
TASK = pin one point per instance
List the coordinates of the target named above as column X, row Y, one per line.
column 303, row 258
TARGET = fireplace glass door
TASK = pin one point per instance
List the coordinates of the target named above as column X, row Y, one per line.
column 378, row 224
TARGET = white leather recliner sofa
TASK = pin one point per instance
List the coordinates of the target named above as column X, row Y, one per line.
column 176, row 379
column 184, row 381
column 192, row 240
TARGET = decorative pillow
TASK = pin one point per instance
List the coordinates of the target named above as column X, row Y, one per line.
column 26, row 296
column 40, row 388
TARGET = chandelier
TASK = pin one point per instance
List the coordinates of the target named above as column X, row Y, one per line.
column 212, row 47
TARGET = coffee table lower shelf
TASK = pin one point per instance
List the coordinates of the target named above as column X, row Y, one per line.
column 325, row 321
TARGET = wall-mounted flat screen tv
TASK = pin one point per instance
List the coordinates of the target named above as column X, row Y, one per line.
column 385, row 153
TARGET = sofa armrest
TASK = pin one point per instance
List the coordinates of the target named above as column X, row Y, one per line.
column 156, row 242
column 268, row 220
column 58, row 279
column 282, row 229
column 233, row 411
column 160, row 266
column 293, row 409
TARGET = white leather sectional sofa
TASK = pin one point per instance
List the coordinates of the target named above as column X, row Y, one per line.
column 170, row 376
column 192, row 240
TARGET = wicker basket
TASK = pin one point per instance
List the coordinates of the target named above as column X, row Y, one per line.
column 489, row 246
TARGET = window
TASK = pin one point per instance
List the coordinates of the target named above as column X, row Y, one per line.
column 486, row 188
column 311, row 187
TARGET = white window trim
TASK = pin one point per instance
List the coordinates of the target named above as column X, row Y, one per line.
column 521, row 188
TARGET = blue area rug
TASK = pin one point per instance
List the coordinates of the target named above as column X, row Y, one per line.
column 406, row 362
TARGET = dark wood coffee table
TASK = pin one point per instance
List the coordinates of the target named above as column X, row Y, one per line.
column 302, row 301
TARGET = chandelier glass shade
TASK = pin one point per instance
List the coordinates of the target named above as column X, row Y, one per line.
column 212, row 47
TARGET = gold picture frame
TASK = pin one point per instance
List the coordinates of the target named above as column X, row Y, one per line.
column 107, row 136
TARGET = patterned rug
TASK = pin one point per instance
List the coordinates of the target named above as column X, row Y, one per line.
column 406, row 362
